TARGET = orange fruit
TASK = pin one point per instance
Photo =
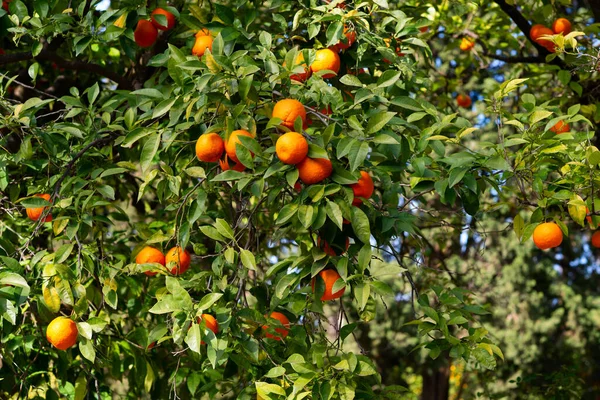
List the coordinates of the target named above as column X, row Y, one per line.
column 203, row 32
column 5, row 5
column 588, row 217
column 232, row 143
column 150, row 255
column 145, row 33
column 562, row 25
column 303, row 76
column 596, row 239
column 36, row 212
column 314, row 170
column 464, row 100
column 202, row 43
column 62, row 333
column 560, row 127
column 328, row 249
column 291, row 148
column 283, row 332
column 288, row 110
column 424, row 29
column 326, row 59
column 363, row 188
column 209, row 147
column 297, row 187
column 170, row 19
column 329, row 276
column 349, row 41
column 541, row 30
column 210, row 322
column 547, row 235
column 224, row 164
column 181, row 259
column 466, row 44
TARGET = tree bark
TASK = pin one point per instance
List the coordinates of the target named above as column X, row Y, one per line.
column 436, row 383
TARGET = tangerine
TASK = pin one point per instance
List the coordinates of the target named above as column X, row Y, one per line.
column 547, row 235
column 145, row 33
column 314, row 170
column 150, row 255
column 291, row 148
column 283, row 332
column 233, row 141
column 329, row 276
column 181, row 259
column 209, row 147
column 35, row 213
column 62, row 333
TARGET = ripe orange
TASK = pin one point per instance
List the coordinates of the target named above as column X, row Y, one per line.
column 291, row 148
column 348, row 42
column 5, row 5
column 62, row 333
column 150, row 255
column 170, row 19
column 203, row 32
column 329, row 276
column 283, row 332
column 181, row 259
column 547, row 235
column 589, row 219
column 326, row 59
column 466, row 44
column 232, row 143
column 36, row 212
column 288, row 110
column 224, row 164
column 560, row 127
column 202, row 43
column 464, row 100
column 209, row 147
column 297, row 187
column 302, row 76
column 541, row 30
column 363, row 188
column 424, row 29
column 328, row 249
column 562, row 25
column 314, row 170
column 145, row 33
column 210, row 322
column 596, row 239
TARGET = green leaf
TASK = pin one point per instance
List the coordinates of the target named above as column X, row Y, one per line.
column 388, row 78
column 149, row 151
column 360, row 225
column 87, row 349
column 248, row 260
column 351, row 80
column 378, row 121
column 362, row 292
column 208, row 300
column 163, row 107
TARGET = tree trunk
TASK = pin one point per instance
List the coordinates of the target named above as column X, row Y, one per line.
column 436, row 383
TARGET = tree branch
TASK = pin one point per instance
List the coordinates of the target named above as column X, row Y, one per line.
column 525, row 27
column 76, row 65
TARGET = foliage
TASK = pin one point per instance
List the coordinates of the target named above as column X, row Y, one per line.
column 112, row 137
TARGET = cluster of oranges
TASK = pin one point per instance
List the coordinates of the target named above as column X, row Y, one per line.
column 561, row 25
column 146, row 31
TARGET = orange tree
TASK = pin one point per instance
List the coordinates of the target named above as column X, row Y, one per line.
column 141, row 142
